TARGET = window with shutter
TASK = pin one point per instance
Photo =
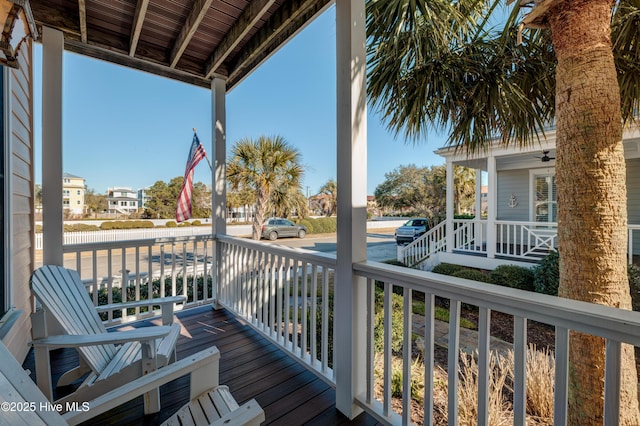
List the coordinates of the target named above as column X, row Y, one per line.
column 545, row 208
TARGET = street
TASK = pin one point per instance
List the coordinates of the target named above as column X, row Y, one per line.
column 381, row 246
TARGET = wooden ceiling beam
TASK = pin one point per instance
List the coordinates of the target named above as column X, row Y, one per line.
column 198, row 11
column 123, row 59
column 58, row 17
column 136, row 27
column 249, row 17
column 290, row 18
column 82, row 14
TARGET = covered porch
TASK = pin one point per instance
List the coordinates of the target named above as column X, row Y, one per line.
column 320, row 311
column 515, row 207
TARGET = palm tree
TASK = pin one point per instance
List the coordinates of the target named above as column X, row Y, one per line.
column 263, row 165
column 330, row 188
column 464, row 183
column 287, row 200
column 438, row 64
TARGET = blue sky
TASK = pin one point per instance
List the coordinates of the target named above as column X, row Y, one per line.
column 124, row 127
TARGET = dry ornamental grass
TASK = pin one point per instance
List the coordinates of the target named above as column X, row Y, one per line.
column 540, row 376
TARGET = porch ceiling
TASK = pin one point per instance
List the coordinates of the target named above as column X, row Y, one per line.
column 186, row 40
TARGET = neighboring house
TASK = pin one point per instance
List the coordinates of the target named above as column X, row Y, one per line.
column 520, row 204
column 320, row 204
column 122, row 200
column 73, row 188
column 143, row 197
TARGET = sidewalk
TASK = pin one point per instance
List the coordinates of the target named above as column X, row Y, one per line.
column 468, row 338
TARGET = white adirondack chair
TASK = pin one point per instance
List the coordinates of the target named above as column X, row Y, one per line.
column 24, row 404
column 63, row 297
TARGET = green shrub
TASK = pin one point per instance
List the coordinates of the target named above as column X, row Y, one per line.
column 144, row 292
column 126, row 224
column 325, row 225
column 546, row 276
column 80, row 227
column 633, row 272
column 447, row 268
column 309, row 224
column 171, row 224
column 107, row 225
column 472, row 274
column 396, row 322
column 196, row 223
column 143, row 224
column 513, row 276
column 464, row 216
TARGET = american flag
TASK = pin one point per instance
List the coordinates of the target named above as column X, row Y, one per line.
column 196, row 153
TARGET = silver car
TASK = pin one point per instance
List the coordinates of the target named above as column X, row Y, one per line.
column 411, row 230
column 276, row 227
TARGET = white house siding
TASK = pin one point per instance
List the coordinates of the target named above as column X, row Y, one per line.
column 20, row 197
column 513, row 182
column 633, row 199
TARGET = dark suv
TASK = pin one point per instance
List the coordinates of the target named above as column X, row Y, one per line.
column 411, row 230
column 275, row 227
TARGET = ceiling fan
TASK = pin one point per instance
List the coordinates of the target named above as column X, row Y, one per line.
column 545, row 157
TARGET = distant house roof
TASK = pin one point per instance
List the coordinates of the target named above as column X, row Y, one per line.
column 69, row 175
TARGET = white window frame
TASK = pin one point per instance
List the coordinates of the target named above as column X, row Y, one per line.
column 533, row 174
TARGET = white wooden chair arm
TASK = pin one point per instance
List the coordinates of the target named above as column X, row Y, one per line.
column 144, row 334
column 195, row 364
column 161, row 301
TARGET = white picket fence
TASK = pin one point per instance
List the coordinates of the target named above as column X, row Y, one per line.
column 85, row 237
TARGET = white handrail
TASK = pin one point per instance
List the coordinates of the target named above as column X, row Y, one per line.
column 284, row 293
column 615, row 325
column 430, row 242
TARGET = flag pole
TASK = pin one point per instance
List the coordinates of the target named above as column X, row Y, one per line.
column 205, row 154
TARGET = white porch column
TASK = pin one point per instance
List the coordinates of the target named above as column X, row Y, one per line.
column 219, row 150
column 219, row 174
column 492, row 206
column 450, row 205
column 478, row 208
column 350, row 300
column 52, row 219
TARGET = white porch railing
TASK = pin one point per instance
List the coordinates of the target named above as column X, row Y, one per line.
column 615, row 325
column 431, row 242
column 529, row 241
column 142, row 269
column 287, row 295
column 526, row 240
column 469, row 235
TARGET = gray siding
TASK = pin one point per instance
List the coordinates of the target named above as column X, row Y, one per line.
column 21, row 197
column 513, row 182
column 633, row 199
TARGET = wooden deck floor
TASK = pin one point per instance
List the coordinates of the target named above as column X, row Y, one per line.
column 250, row 365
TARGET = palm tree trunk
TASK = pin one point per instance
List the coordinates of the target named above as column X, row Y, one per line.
column 261, row 209
column 592, row 198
